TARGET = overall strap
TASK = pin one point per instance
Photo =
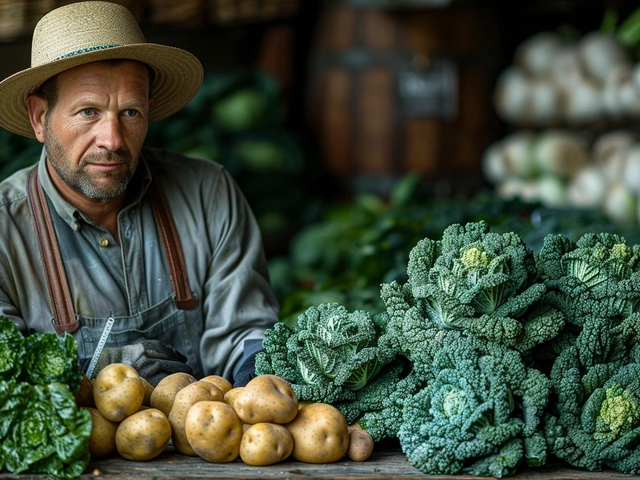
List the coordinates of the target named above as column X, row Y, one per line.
column 64, row 319
column 64, row 315
column 172, row 249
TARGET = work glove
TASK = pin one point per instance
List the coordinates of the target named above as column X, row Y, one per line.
column 152, row 359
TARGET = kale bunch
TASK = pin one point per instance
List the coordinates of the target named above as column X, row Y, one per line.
column 595, row 422
column 41, row 428
column 479, row 415
column 328, row 355
column 599, row 274
column 472, row 280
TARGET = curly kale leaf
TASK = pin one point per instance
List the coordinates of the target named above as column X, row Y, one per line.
column 407, row 330
column 43, row 430
column 327, row 355
column 12, row 349
column 50, row 359
column 541, row 324
column 276, row 359
column 474, row 415
column 378, row 407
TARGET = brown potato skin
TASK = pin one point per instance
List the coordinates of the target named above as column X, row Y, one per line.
column 266, row 399
column 118, row 391
column 222, row 383
column 184, row 400
column 144, row 435
column 214, row 431
column 166, row 390
column 148, row 391
column 102, row 442
column 84, row 395
column 265, row 444
column 360, row 444
column 320, row 434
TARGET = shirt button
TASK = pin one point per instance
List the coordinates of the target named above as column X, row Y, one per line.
column 104, row 242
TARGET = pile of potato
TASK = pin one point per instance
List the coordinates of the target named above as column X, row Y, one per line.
column 262, row 423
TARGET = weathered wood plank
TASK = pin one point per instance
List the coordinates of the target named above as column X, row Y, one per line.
column 385, row 463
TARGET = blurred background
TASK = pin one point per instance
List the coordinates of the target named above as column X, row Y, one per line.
column 358, row 127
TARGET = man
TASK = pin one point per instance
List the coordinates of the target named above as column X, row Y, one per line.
column 147, row 257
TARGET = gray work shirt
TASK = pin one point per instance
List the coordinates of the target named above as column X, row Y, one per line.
column 220, row 239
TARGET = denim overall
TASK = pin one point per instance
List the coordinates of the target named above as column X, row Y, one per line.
column 164, row 321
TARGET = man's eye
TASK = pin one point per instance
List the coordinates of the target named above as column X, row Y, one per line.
column 130, row 113
column 87, row 112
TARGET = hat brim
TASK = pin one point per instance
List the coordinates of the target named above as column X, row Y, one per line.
column 178, row 76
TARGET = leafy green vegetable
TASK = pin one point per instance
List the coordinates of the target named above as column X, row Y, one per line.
column 327, row 355
column 41, row 428
column 50, row 359
column 599, row 275
column 473, row 280
column 43, row 431
column 473, row 416
column 12, row 350
column 596, row 423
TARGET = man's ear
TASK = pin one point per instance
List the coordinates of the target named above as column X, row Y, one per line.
column 38, row 108
column 151, row 103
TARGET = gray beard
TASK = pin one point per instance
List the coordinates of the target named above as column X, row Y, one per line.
column 82, row 183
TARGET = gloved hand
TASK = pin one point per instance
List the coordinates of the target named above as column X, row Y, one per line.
column 152, row 359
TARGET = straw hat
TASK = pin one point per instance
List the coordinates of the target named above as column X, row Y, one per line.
column 85, row 32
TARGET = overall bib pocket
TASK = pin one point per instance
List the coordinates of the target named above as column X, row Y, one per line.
column 163, row 322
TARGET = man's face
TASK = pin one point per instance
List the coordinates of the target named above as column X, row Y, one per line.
column 94, row 133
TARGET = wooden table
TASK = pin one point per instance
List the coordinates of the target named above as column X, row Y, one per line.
column 387, row 462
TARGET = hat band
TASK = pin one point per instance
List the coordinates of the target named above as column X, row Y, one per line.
column 86, row 50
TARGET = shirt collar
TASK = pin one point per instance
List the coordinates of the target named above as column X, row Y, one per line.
column 70, row 214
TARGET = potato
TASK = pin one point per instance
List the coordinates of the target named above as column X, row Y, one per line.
column 360, row 444
column 214, row 431
column 266, row 399
column 102, row 441
column 84, row 395
column 265, row 444
column 222, row 383
column 320, row 434
column 165, row 391
column 118, row 391
column 144, row 435
column 148, row 391
column 230, row 396
column 185, row 399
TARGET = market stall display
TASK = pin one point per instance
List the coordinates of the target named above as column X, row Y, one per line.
column 574, row 80
column 572, row 104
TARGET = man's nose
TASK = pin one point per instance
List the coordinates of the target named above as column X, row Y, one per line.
column 110, row 133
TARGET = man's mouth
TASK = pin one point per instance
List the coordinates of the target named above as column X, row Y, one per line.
column 105, row 167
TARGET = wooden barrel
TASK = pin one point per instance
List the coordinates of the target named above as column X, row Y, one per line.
column 391, row 92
